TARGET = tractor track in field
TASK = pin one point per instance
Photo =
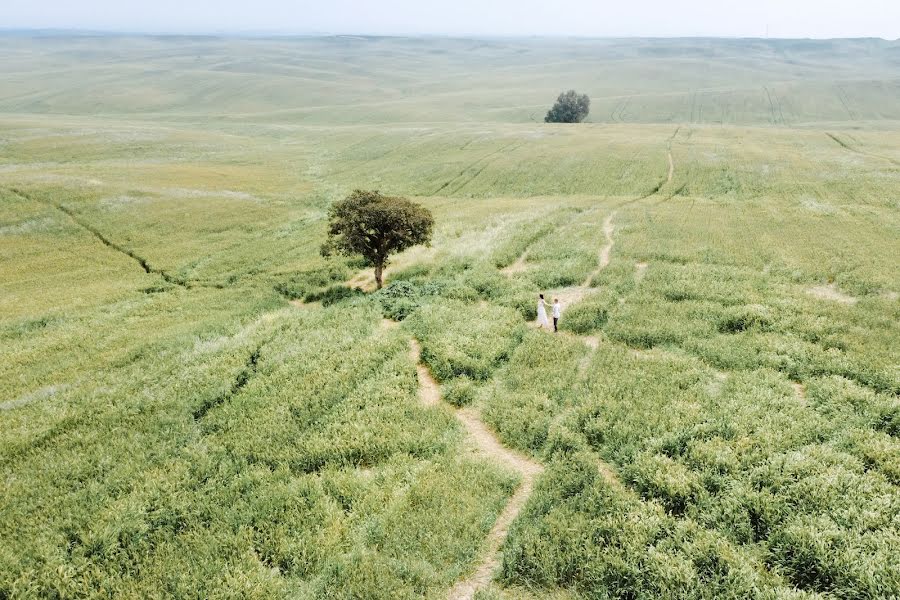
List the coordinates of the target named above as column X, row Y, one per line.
column 606, row 251
column 772, row 108
column 618, row 113
column 842, row 96
column 489, row 446
column 240, row 381
column 671, row 139
column 574, row 294
column 671, row 167
column 664, row 180
column 510, row 147
column 106, row 241
column 855, row 150
column 472, row 165
column 520, row 265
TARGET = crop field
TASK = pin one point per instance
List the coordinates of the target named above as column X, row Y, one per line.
column 194, row 403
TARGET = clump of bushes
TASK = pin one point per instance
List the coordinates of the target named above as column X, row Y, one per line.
column 333, row 294
column 467, row 339
column 658, row 476
column 587, row 316
column 300, row 285
column 400, row 299
column 459, row 391
column 742, row 318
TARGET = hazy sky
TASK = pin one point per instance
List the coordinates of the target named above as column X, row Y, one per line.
column 784, row 18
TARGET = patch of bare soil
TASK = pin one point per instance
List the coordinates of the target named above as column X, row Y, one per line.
column 609, row 474
column 391, row 324
column 671, row 168
column 41, row 394
column 592, row 341
column 429, row 392
column 714, row 387
column 365, row 280
column 831, row 292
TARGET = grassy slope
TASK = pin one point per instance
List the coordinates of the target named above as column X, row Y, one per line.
column 187, row 410
column 407, row 80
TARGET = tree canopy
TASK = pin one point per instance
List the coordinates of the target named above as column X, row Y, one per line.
column 570, row 107
column 374, row 226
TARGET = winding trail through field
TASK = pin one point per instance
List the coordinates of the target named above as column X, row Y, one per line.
column 429, row 392
column 487, row 444
column 575, row 294
column 571, row 295
column 606, row 251
column 671, row 167
column 518, row 266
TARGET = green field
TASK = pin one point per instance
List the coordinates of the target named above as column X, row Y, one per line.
column 182, row 415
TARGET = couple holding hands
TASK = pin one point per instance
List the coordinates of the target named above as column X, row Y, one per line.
column 542, row 313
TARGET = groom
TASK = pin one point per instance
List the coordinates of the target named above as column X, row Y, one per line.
column 557, row 311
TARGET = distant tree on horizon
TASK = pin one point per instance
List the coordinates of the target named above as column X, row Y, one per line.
column 374, row 226
column 570, row 107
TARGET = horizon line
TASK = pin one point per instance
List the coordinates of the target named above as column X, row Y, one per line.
column 258, row 33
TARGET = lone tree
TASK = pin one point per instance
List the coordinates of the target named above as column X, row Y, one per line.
column 570, row 107
column 374, row 226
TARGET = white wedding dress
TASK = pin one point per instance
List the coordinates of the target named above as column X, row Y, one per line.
column 542, row 314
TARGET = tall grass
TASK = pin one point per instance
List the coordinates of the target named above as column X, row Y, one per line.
column 171, row 426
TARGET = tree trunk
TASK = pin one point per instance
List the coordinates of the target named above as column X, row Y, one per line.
column 378, row 270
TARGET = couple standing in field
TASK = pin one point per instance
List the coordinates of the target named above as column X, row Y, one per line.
column 542, row 313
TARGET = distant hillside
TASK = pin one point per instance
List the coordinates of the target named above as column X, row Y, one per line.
column 386, row 80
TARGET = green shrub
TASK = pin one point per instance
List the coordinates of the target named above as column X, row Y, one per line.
column 399, row 299
column 814, row 554
column 459, row 391
column 587, row 316
column 299, row 285
column 658, row 476
column 743, row 318
column 333, row 295
column 465, row 339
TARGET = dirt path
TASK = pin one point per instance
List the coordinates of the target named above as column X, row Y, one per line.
column 429, row 392
column 574, row 294
column 606, row 251
column 365, row 280
column 671, row 168
column 516, row 267
column 487, row 445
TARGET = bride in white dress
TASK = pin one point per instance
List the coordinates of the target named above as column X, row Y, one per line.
column 542, row 312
